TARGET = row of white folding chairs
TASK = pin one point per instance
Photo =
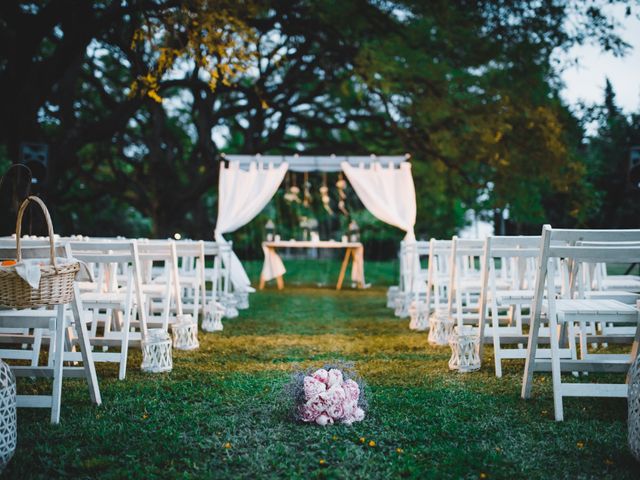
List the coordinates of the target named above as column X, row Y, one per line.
column 203, row 275
column 476, row 296
column 32, row 327
column 452, row 282
column 503, row 297
column 212, row 258
column 112, row 306
column 201, row 285
column 524, row 252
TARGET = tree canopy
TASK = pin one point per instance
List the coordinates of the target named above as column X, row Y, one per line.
column 137, row 99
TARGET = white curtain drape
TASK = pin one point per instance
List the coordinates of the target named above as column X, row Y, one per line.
column 272, row 266
column 241, row 196
column 388, row 193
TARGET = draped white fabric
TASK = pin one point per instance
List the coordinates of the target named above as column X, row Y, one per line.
column 241, row 196
column 388, row 193
column 273, row 266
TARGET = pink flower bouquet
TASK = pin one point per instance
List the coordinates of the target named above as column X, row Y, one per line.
column 328, row 395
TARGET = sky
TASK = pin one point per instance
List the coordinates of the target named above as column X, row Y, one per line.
column 585, row 82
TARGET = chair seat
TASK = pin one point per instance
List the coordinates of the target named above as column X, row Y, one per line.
column 189, row 280
column 620, row 295
column 86, row 286
column 622, row 282
column 586, row 307
column 104, row 299
column 475, row 282
column 505, row 296
column 157, row 288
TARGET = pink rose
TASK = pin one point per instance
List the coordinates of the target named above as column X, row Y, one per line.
column 336, row 410
column 306, row 414
column 359, row 416
column 334, row 399
column 312, row 409
column 321, row 375
column 335, row 394
column 324, row 420
column 352, row 389
column 335, row 377
column 352, row 413
column 313, row 387
column 349, row 407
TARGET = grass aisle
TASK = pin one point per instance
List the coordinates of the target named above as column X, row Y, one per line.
column 220, row 413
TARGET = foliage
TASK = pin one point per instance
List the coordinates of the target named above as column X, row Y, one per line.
column 136, row 99
column 608, row 164
column 86, row 81
column 219, row 413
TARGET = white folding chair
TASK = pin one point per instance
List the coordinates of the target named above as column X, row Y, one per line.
column 160, row 281
column 568, row 313
column 113, row 302
column 191, row 273
column 465, row 281
column 438, row 274
column 504, row 303
column 217, row 276
column 50, row 324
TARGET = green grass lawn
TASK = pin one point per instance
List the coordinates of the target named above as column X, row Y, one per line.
column 220, row 412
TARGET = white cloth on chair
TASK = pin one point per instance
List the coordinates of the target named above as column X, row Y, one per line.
column 241, row 196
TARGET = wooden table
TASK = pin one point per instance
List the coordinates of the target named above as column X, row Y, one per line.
column 353, row 250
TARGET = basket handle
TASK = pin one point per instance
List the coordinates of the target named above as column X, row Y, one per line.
column 47, row 217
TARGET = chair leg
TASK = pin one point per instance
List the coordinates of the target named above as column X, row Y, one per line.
column 495, row 323
column 58, row 343
column 555, row 370
column 85, row 351
column 124, row 348
column 37, row 343
column 196, row 302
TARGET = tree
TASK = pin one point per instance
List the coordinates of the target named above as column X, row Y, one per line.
column 130, row 95
column 79, row 77
column 608, row 164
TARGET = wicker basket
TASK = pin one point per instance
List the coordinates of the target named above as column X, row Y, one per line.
column 56, row 283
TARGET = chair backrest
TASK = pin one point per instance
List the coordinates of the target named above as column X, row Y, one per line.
column 150, row 251
column 576, row 247
column 218, row 274
column 119, row 252
column 101, row 251
column 464, row 253
column 190, row 254
column 438, row 271
column 518, row 256
column 410, row 264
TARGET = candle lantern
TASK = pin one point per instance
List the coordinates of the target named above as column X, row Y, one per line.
column 304, row 225
column 271, row 230
column 313, row 228
column 354, row 231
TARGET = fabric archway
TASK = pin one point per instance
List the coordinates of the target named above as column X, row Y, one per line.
column 247, row 184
